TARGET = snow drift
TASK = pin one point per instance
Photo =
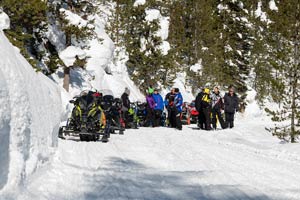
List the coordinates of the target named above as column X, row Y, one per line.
column 30, row 113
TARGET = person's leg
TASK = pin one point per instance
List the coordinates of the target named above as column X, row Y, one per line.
column 214, row 118
column 231, row 120
column 173, row 118
column 201, row 118
column 208, row 119
column 221, row 120
column 178, row 121
column 157, row 116
column 227, row 119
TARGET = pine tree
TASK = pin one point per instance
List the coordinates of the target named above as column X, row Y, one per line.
column 28, row 21
column 285, row 28
column 129, row 28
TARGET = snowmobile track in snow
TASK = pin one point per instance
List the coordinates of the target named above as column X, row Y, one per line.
column 162, row 163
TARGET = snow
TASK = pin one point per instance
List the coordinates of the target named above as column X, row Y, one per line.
column 101, row 72
column 259, row 13
column 73, row 18
column 180, row 83
column 30, row 114
column 139, row 2
column 272, row 5
column 4, row 21
column 242, row 163
column 163, row 32
column 165, row 47
column 68, row 56
column 196, row 68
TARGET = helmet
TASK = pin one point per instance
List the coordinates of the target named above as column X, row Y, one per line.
column 206, row 91
column 151, row 90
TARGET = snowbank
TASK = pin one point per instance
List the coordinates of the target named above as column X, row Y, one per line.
column 4, row 21
column 29, row 117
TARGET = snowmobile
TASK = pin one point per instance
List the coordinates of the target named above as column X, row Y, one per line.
column 133, row 119
column 137, row 115
column 87, row 118
column 193, row 113
column 112, row 108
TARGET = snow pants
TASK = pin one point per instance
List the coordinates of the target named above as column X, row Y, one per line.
column 157, row 118
column 229, row 120
column 216, row 113
column 149, row 121
column 207, row 114
column 201, row 119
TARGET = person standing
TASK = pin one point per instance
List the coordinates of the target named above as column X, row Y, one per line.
column 177, row 108
column 206, row 108
column 126, row 106
column 169, row 101
column 231, row 103
column 217, row 106
column 150, row 109
column 201, row 117
column 159, row 107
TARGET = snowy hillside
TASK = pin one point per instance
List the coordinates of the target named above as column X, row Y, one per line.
column 30, row 113
column 100, row 73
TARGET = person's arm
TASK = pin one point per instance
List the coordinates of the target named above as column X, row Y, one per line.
column 236, row 103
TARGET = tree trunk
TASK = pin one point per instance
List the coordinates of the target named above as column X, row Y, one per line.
column 66, row 82
column 117, row 22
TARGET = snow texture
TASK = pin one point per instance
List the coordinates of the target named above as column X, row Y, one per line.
column 272, row 5
column 4, row 21
column 242, row 163
column 139, row 2
column 68, row 56
column 29, row 117
column 101, row 72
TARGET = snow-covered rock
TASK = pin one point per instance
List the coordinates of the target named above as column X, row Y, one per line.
column 30, row 114
column 4, row 21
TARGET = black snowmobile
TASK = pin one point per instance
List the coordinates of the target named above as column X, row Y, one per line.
column 87, row 118
column 112, row 108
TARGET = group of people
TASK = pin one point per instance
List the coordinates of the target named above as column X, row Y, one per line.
column 209, row 105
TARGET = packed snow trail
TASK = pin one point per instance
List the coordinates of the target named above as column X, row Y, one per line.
column 162, row 163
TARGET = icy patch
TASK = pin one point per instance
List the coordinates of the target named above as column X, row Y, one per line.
column 4, row 21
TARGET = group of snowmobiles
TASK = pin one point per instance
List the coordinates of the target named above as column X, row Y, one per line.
column 97, row 115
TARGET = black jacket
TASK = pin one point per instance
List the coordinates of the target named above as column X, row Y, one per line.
column 169, row 99
column 231, row 103
column 125, row 100
column 198, row 101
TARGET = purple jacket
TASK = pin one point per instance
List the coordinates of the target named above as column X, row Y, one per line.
column 150, row 101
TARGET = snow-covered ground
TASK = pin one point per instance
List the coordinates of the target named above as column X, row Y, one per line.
column 243, row 163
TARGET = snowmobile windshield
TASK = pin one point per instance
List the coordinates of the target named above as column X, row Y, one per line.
column 85, row 99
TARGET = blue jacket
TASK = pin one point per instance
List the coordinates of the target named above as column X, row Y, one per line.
column 178, row 101
column 159, row 102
